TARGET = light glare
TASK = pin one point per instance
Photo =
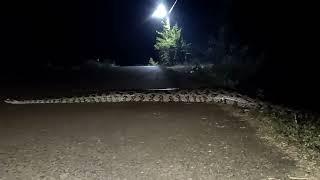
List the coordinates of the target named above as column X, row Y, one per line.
column 161, row 12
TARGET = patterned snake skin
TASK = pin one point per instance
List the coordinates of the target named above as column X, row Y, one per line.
column 185, row 96
column 176, row 96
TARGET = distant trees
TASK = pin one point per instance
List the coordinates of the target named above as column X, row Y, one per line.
column 171, row 46
column 222, row 50
column 225, row 62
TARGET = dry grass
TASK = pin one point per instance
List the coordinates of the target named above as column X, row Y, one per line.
column 300, row 141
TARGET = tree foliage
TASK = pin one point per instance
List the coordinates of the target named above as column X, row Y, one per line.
column 171, row 46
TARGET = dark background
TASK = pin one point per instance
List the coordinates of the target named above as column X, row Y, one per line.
column 70, row 32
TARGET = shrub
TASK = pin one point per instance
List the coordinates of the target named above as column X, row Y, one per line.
column 152, row 62
column 171, row 46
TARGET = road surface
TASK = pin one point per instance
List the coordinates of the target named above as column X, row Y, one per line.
column 60, row 82
column 133, row 141
column 37, row 84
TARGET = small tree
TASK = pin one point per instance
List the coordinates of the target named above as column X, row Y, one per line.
column 153, row 62
column 171, row 46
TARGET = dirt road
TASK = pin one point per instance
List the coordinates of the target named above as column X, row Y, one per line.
column 133, row 141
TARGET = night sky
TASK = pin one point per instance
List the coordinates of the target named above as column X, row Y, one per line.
column 69, row 32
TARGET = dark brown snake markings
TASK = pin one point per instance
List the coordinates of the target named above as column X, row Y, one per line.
column 191, row 96
column 180, row 96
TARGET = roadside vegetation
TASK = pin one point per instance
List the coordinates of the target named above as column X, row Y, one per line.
column 296, row 133
column 171, row 46
column 227, row 64
column 302, row 128
column 221, row 64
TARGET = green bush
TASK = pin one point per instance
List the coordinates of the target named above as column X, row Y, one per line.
column 171, row 46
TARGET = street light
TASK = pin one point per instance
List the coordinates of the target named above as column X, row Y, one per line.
column 161, row 12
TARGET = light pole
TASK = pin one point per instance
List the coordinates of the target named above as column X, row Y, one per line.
column 161, row 12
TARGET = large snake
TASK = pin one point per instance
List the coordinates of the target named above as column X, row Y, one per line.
column 185, row 96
